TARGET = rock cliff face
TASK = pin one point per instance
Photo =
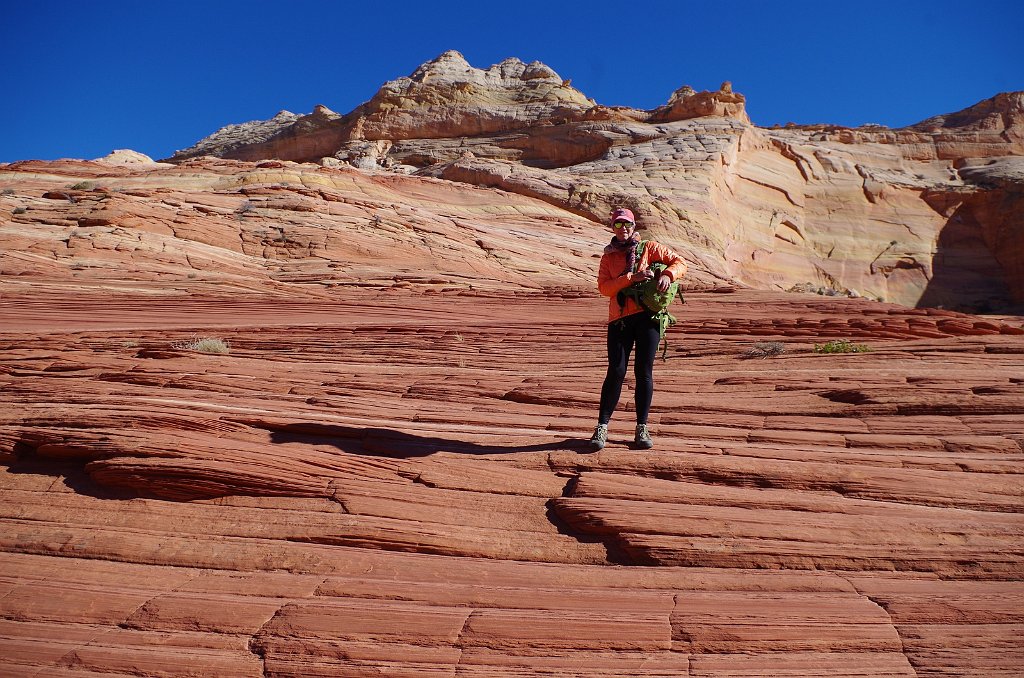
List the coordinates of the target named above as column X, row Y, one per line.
column 273, row 226
column 870, row 211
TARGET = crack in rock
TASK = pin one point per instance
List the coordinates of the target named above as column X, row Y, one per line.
column 895, row 628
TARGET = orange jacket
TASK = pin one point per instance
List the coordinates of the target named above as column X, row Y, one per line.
column 613, row 276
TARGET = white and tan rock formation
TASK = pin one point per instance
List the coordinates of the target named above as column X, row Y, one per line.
column 126, row 156
column 879, row 212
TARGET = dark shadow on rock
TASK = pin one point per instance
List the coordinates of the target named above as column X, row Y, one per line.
column 71, row 472
column 614, row 552
column 969, row 271
column 398, row 444
column 385, row 442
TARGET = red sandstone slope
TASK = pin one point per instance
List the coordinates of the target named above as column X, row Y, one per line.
column 386, row 481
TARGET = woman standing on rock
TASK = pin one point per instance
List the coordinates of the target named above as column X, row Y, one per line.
column 630, row 326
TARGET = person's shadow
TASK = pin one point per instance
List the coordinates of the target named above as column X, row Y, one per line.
column 384, row 442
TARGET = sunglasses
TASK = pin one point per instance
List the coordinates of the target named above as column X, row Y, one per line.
column 622, row 224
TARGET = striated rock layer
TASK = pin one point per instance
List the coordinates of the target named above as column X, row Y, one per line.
column 389, row 481
column 279, row 226
column 926, row 215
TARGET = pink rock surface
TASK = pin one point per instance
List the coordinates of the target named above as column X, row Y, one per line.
column 372, row 482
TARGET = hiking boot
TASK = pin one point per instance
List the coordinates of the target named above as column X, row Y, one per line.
column 600, row 437
column 643, row 437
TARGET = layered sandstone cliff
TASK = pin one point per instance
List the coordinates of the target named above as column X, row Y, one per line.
column 869, row 211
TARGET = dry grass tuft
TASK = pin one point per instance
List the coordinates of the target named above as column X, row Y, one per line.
column 204, row 345
column 765, row 349
column 841, row 346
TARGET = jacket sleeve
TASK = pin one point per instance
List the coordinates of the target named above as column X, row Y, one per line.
column 658, row 253
column 609, row 284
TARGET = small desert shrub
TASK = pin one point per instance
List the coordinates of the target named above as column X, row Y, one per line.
column 203, row 345
column 765, row 349
column 245, row 208
column 20, row 210
column 7, row 191
column 131, row 343
column 841, row 346
column 83, row 186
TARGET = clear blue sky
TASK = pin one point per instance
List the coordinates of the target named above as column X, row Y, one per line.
column 83, row 78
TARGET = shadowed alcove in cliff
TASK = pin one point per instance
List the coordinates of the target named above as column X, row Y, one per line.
column 966, row 274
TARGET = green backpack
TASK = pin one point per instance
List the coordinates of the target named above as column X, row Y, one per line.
column 654, row 301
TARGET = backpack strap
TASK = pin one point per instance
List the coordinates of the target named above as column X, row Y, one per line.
column 664, row 318
column 621, row 296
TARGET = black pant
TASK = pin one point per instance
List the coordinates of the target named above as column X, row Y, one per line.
column 642, row 331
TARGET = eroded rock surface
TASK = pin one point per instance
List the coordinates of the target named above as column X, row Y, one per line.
column 276, row 225
column 903, row 215
column 394, row 481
